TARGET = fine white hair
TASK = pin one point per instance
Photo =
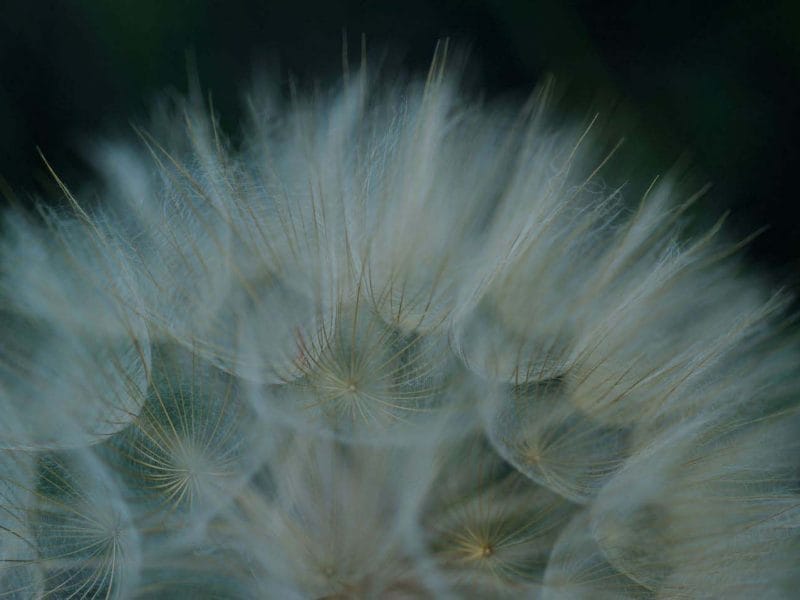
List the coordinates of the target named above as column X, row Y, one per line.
column 397, row 343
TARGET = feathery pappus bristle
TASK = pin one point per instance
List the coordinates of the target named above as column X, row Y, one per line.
column 398, row 343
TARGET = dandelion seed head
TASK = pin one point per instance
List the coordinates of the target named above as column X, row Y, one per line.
column 397, row 342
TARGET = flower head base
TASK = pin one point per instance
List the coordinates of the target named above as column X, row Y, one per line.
column 398, row 344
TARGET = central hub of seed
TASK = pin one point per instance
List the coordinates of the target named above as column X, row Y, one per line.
column 533, row 456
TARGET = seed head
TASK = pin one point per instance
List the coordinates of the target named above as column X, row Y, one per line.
column 397, row 343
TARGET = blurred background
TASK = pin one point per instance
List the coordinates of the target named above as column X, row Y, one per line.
column 714, row 85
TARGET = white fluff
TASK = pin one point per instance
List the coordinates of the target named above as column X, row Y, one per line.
column 399, row 344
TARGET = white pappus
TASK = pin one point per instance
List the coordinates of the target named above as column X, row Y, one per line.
column 398, row 343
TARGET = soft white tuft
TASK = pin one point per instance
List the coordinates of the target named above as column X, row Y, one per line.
column 396, row 344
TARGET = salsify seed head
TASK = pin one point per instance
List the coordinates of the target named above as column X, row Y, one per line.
column 397, row 343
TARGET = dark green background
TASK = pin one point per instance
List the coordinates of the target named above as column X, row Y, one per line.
column 717, row 82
